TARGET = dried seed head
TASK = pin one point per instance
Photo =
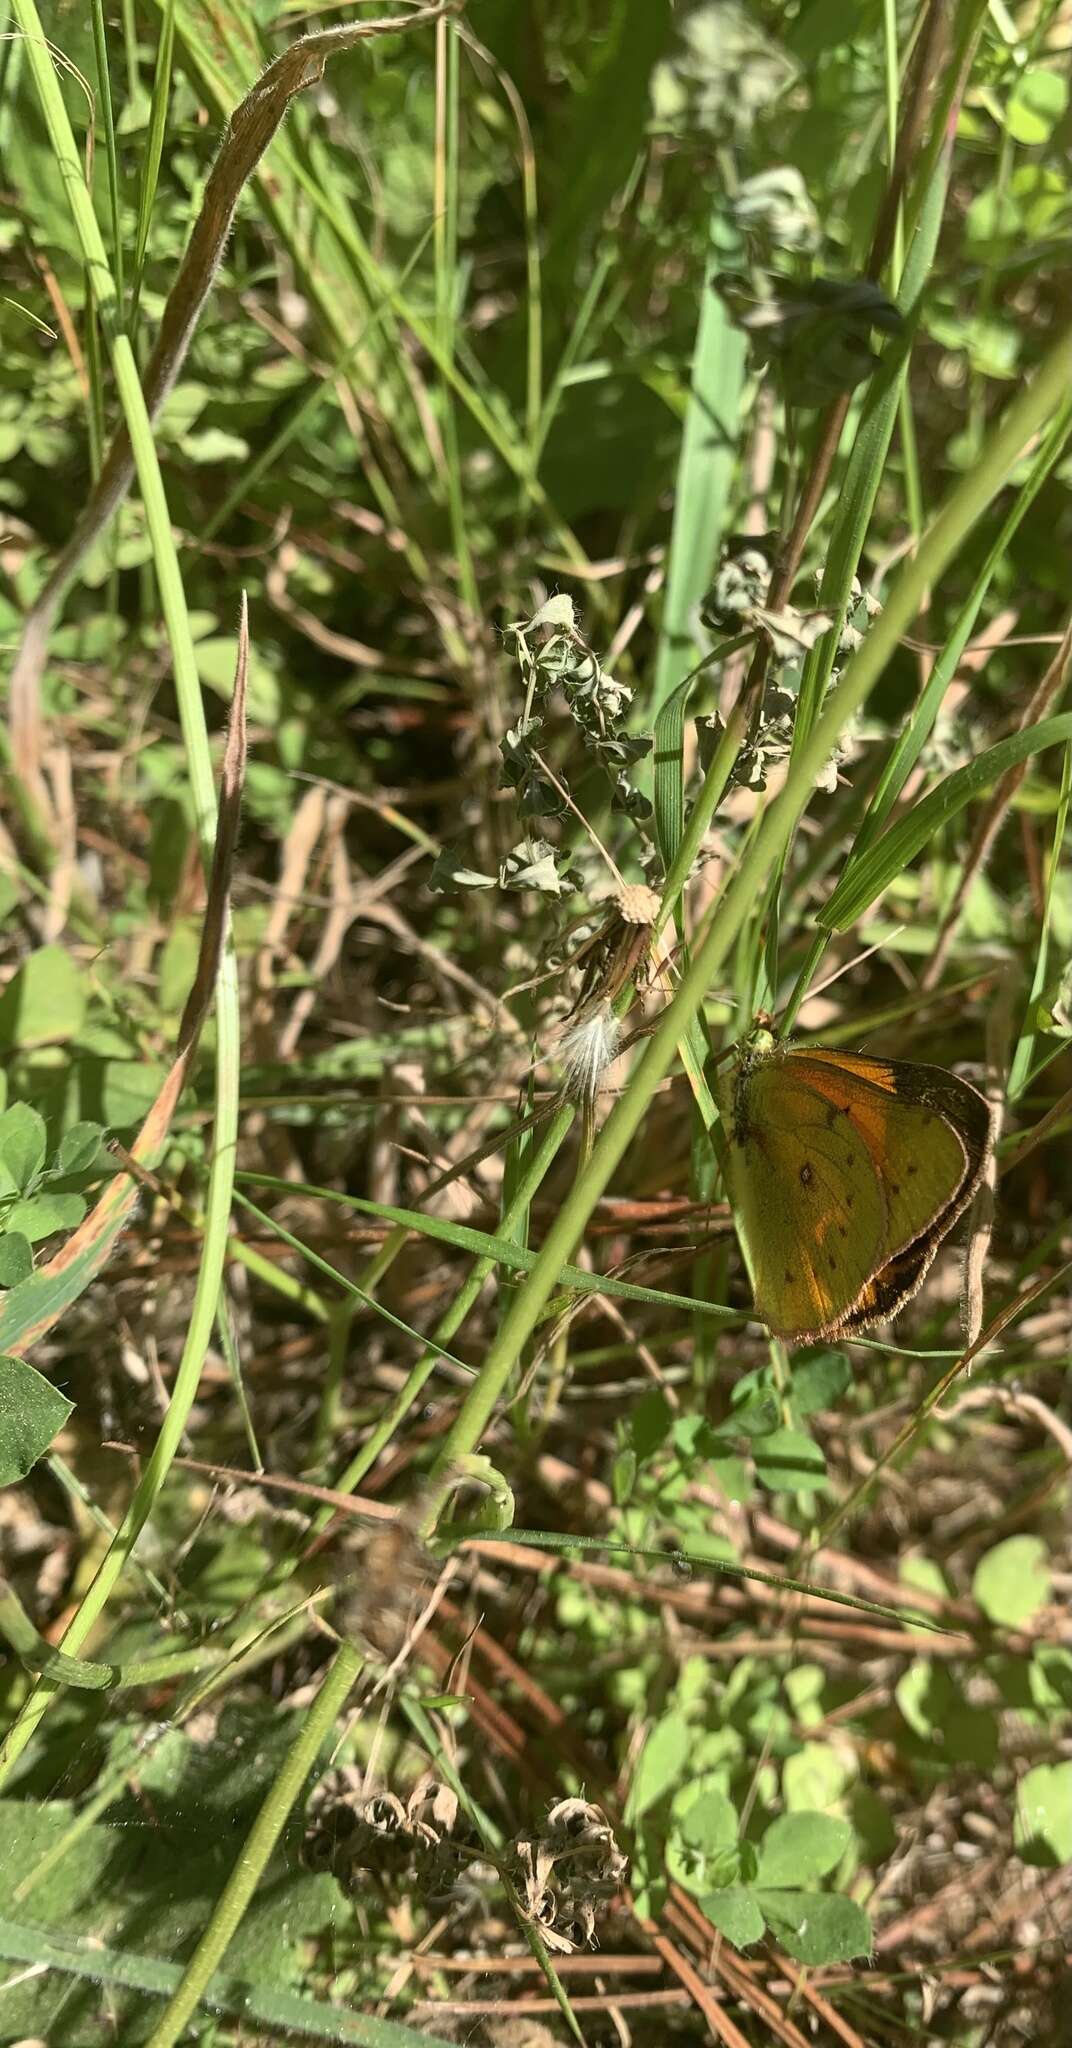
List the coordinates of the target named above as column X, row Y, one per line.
column 637, row 904
column 567, row 1871
column 576, row 1924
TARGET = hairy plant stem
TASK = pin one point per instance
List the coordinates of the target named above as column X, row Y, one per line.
column 231, row 1905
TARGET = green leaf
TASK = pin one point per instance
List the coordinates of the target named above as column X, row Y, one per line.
column 732, row 1476
column 662, row 1762
column 736, row 1915
column 805, row 1689
column 31, row 1413
column 798, row 1847
column 216, row 668
column 1012, row 1581
column 710, row 1822
column 78, row 1148
column 22, row 1147
column 702, row 1780
column 214, row 444
column 788, row 1461
column 181, row 408
column 649, row 1423
column 623, row 1476
column 178, row 964
column 128, row 1090
column 701, row 504
column 926, row 1574
column 935, row 1708
column 1042, row 1829
column 211, row 1791
column 816, row 1776
column 971, row 1736
column 817, row 1927
column 16, row 1258
column 1036, row 104
column 754, row 1407
column 924, row 1694
column 39, row 1215
column 46, row 1001
column 702, row 1849
column 1050, row 1678
column 819, row 1382
column 873, row 1824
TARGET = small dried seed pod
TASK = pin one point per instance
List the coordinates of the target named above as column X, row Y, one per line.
column 433, row 1805
column 576, row 1924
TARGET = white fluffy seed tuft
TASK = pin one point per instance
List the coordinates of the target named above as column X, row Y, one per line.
column 588, row 1050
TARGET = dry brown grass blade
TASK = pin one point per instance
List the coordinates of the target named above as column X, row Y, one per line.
column 718, row 2019
column 37, row 1303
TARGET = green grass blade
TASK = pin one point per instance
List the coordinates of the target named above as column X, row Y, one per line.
column 886, row 859
column 701, row 509
column 154, row 151
column 315, row 1729
column 867, row 461
column 504, row 1251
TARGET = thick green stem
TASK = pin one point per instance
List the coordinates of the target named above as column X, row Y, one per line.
column 262, row 1838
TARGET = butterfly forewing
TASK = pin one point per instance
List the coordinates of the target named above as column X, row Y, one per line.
column 809, row 1201
column 919, row 1156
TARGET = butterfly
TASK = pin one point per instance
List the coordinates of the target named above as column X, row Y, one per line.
column 846, row 1172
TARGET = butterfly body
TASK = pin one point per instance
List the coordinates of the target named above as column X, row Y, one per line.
column 846, row 1173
